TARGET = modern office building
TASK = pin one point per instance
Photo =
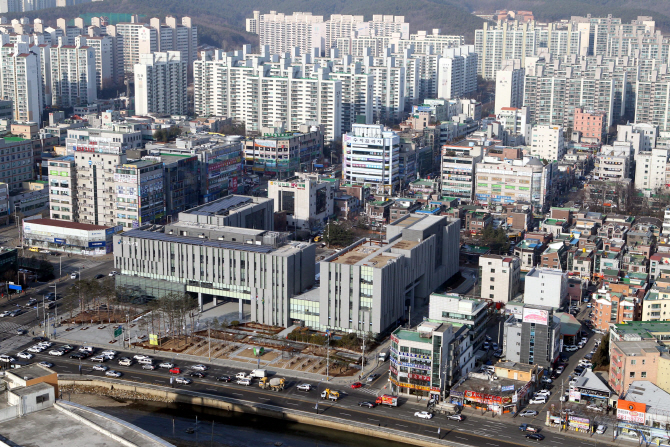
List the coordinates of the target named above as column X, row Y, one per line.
column 371, row 157
column 198, row 255
column 68, row 237
column 535, row 339
column 307, row 199
column 17, row 166
column 161, row 84
column 500, row 277
column 281, row 154
column 372, row 285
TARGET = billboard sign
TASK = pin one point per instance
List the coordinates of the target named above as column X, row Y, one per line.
column 536, row 316
column 631, row 411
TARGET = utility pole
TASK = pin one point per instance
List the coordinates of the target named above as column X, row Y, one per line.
column 363, row 358
column 209, row 346
column 328, row 355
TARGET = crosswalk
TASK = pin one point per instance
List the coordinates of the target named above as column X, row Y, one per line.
column 369, row 391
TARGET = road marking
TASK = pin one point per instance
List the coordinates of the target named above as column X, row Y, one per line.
column 291, row 403
column 488, row 443
column 458, row 437
column 370, row 419
column 346, row 414
column 237, row 394
column 210, row 389
column 401, row 425
column 135, row 377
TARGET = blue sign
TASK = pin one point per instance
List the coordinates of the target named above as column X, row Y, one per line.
column 507, row 388
column 96, row 244
column 90, row 162
column 59, row 241
column 15, row 287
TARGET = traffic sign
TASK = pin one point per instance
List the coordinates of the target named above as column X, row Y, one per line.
column 118, row 331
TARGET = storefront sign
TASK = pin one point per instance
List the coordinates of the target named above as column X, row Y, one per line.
column 575, row 395
column 537, row 316
column 415, row 387
column 475, row 396
column 97, row 244
column 577, row 422
column 419, row 377
column 58, row 240
column 410, row 365
column 631, row 411
column 507, row 388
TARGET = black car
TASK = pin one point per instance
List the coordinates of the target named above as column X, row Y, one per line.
column 78, row 355
column 197, row 374
column 224, row 379
column 40, row 339
column 367, row 404
column 99, row 276
column 535, row 436
column 31, row 302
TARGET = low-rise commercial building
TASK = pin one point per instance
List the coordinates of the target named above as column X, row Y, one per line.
column 69, row 237
column 500, row 276
column 307, row 199
column 461, row 311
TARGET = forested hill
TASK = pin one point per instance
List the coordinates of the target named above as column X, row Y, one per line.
column 221, row 22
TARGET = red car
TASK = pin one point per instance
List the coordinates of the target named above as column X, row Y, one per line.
column 356, row 385
column 175, row 370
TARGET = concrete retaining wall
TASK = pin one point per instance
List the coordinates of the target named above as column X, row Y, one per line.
column 162, row 394
column 94, row 426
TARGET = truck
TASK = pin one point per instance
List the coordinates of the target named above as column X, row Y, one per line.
column 445, row 408
column 387, row 399
column 258, row 373
column 383, row 356
column 330, row 394
column 275, row 384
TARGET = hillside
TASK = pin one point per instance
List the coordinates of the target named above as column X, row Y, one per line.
column 221, row 22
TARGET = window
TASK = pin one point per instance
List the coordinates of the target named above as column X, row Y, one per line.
column 42, row 398
column 492, row 288
column 632, row 374
column 633, row 362
column 643, row 374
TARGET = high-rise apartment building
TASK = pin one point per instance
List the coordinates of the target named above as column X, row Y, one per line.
column 73, row 76
column 134, row 39
column 509, row 85
column 457, row 72
column 173, row 36
column 22, row 81
column 547, row 143
column 103, row 48
column 651, row 169
column 161, row 84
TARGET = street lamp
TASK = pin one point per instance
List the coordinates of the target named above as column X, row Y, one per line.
column 55, row 286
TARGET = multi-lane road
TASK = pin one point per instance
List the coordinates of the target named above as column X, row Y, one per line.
column 475, row 431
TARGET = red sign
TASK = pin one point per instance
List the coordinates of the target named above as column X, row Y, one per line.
column 233, row 183
column 486, row 398
column 419, row 377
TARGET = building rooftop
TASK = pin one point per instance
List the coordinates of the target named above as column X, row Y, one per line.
column 638, row 347
column 644, row 392
column 414, row 336
column 517, row 366
column 65, row 224
column 591, row 381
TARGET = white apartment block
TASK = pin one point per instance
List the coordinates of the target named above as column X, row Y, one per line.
column 547, row 143
column 652, row 105
column 457, row 72
column 515, row 121
column 161, row 84
column 22, row 81
column 458, row 168
column 612, row 163
column 103, row 47
column 641, row 135
column 546, row 287
column 509, row 85
column 651, row 170
column 173, row 36
column 500, row 276
column 135, row 39
column 260, row 98
column 73, row 77
column 370, row 156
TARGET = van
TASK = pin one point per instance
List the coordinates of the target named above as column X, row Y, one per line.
column 147, row 361
column 241, row 375
column 383, row 356
column 260, row 373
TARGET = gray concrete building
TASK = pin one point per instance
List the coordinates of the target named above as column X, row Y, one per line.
column 234, row 211
column 258, row 268
column 370, row 285
column 535, row 338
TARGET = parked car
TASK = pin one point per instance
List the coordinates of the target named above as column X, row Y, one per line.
column 46, row 364
column 423, row 414
column 597, row 408
column 25, row 355
column 570, row 348
column 546, row 379
column 538, row 400
column 528, row 413
column 601, row 429
column 546, row 393
column 140, row 356
column 113, row 273
column 6, row 358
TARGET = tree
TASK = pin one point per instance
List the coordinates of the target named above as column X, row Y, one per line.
column 601, row 358
column 337, row 235
column 45, row 270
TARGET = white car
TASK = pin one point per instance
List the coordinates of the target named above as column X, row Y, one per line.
column 141, row 356
column 543, row 393
column 166, row 365
column 538, row 400
column 46, row 344
column 304, row 387
column 570, row 348
column 573, row 382
column 98, row 358
column 125, row 361
column 6, row 358
column 5, row 313
column 56, row 352
column 601, row 429
column 423, row 415
column 112, row 373
column 113, row 273
column 35, row 349
column 584, row 340
column 109, row 354
column 183, row 380
column 25, row 355
column 46, row 364
column 530, row 413
column 88, row 349
column 595, row 408
column 199, row 367
column 546, row 379
column 100, row 368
